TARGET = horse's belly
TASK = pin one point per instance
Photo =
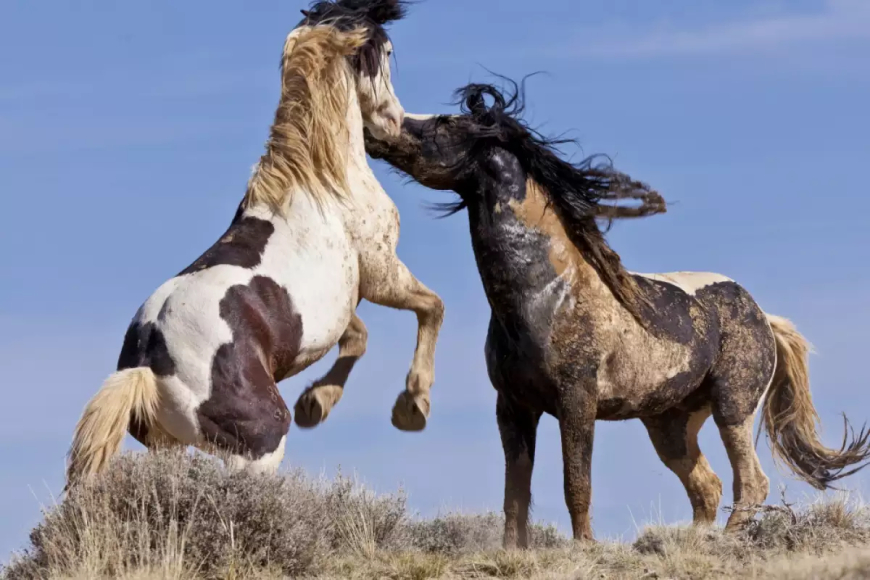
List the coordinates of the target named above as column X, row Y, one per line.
column 649, row 389
column 648, row 404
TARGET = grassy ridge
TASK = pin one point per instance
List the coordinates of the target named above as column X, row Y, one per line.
column 173, row 515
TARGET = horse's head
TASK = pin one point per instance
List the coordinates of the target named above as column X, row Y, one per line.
column 370, row 62
column 382, row 112
column 449, row 152
column 489, row 142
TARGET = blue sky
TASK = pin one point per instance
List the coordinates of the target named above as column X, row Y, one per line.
column 127, row 132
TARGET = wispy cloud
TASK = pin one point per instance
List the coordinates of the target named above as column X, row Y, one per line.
column 839, row 20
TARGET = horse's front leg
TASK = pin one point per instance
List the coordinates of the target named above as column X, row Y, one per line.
column 518, row 427
column 577, row 410
column 389, row 283
column 317, row 401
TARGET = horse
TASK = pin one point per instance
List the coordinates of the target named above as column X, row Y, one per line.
column 573, row 334
column 314, row 234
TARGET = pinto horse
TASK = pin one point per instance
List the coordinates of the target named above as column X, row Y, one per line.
column 574, row 335
column 314, row 234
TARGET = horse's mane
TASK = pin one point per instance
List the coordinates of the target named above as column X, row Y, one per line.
column 578, row 191
column 347, row 15
column 308, row 141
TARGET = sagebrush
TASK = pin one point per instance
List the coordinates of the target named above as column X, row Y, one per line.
column 176, row 515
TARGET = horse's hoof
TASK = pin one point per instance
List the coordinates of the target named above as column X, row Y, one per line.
column 410, row 412
column 736, row 528
column 312, row 408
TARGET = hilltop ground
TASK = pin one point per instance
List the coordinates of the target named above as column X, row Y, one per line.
column 173, row 515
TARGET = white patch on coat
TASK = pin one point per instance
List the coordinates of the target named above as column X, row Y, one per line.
column 688, row 282
column 310, row 256
column 268, row 463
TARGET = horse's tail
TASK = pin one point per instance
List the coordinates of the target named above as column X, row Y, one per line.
column 106, row 417
column 790, row 418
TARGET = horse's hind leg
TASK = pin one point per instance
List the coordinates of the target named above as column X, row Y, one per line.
column 674, row 435
column 314, row 405
column 751, row 486
column 153, row 437
column 742, row 374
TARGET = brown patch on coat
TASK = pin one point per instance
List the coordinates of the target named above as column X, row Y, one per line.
column 145, row 346
column 583, row 251
column 535, row 212
column 242, row 245
column 245, row 413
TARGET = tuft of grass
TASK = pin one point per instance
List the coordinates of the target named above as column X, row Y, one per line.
column 188, row 516
column 818, row 527
column 361, row 522
column 172, row 515
column 457, row 533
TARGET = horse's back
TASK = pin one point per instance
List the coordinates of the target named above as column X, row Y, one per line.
column 735, row 311
column 732, row 303
column 688, row 282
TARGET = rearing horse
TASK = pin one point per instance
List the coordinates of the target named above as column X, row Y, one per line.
column 575, row 335
column 314, row 234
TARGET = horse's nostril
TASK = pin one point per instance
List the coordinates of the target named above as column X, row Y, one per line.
column 394, row 121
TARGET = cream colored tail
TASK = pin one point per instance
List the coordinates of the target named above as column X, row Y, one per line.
column 100, row 431
column 791, row 421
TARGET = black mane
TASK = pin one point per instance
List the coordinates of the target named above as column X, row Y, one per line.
column 577, row 191
column 346, row 15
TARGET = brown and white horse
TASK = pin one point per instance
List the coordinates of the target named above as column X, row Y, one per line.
column 574, row 335
column 314, row 234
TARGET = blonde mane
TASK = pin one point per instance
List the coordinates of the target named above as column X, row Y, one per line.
column 308, row 142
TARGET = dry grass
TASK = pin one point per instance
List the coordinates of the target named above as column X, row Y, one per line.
column 173, row 515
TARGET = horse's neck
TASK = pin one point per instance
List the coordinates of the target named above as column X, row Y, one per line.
column 360, row 179
column 333, row 214
column 368, row 211
column 528, row 265
column 360, row 176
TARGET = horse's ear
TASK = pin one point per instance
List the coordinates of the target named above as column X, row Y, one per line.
column 305, row 13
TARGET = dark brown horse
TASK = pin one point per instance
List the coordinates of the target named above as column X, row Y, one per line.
column 575, row 335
